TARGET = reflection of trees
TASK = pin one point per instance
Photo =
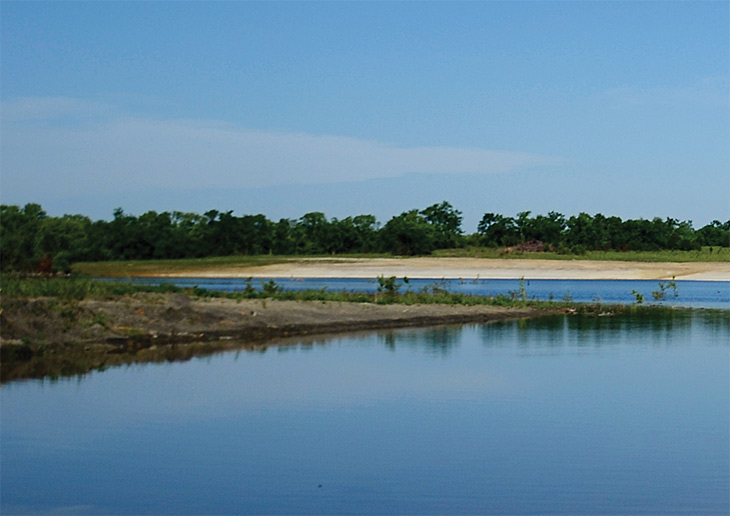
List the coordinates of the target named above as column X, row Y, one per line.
column 718, row 321
column 655, row 327
column 437, row 340
column 665, row 327
column 443, row 338
column 504, row 334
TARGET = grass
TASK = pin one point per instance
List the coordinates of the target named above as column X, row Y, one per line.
column 76, row 288
column 706, row 254
column 72, row 288
column 156, row 267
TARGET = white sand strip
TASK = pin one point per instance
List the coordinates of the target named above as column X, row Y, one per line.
column 471, row 268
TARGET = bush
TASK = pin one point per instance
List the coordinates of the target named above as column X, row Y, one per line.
column 389, row 285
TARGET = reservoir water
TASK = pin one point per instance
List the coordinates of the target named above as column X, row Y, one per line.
column 558, row 415
column 695, row 294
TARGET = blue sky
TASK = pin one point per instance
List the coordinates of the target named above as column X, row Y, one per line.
column 282, row 108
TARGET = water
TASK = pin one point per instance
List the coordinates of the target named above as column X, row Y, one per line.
column 695, row 294
column 555, row 415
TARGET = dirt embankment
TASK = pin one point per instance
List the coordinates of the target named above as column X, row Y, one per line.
column 95, row 333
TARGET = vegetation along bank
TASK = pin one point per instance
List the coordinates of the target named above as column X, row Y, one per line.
column 67, row 326
column 72, row 325
column 30, row 240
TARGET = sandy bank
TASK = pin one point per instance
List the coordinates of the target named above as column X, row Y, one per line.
column 178, row 317
column 436, row 268
column 42, row 337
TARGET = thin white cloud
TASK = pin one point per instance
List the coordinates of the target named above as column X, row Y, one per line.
column 48, row 109
column 710, row 92
column 100, row 152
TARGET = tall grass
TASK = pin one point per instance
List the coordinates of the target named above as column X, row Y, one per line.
column 706, row 254
column 72, row 288
column 77, row 288
column 156, row 267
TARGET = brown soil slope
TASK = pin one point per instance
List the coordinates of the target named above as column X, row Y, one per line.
column 42, row 337
column 177, row 317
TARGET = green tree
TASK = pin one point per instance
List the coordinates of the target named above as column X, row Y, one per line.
column 580, row 231
column 548, row 229
column 682, row 236
column 446, row 222
column 220, row 235
column 315, row 233
column 283, row 240
column 64, row 240
column 408, row 234
column 256, row 234
column 351, row 235
column 19, row 233
column 496, row 230
column 366, row 227
column 715, row 234
column 188, row 235
column 614, row 230
column 523, row 225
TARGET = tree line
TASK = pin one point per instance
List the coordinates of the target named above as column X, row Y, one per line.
column 31, row 240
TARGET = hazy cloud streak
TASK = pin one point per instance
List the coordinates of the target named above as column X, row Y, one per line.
column 69, row 146
column 711, row 92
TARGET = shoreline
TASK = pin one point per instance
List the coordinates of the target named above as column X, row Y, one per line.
column 465, row 268
column 42, row 337
column 163, row 318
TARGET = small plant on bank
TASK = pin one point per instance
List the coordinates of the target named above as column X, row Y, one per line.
column 638, row 296
column 270, row 288
column 521, row 293
column 663, row 288
column 390, row 285
column 99, row 319
column 438, row 288
column 250, row 290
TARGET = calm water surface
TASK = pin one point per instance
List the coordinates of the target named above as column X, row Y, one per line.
column 554, row 415
column 694, row 294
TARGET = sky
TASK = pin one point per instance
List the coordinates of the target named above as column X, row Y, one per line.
column 348, row 108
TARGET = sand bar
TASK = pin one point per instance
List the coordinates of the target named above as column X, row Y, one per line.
column 470, row 268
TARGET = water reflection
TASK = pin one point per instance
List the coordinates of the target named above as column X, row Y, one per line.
column 697, row 294
column 654, row 327
column 564, row 415
column 580, row 331
column 438, row 340
column 550, row 332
